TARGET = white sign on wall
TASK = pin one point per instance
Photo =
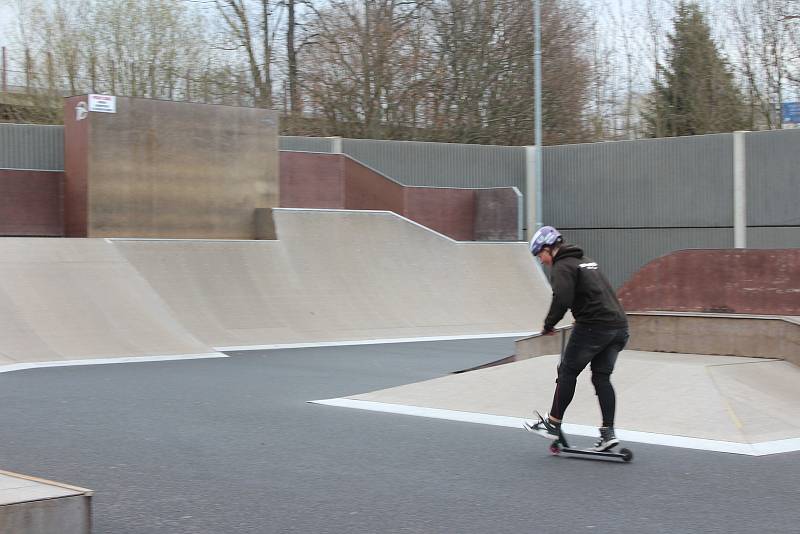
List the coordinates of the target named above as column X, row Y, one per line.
column 103, row 103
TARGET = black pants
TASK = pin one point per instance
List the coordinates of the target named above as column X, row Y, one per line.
column 596, row 345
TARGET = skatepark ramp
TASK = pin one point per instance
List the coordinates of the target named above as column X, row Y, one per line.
column 342, row 276
column 331, row 277
column 76, row 299
column 661, row 398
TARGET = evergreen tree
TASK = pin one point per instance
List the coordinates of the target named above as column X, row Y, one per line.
column 695, row 92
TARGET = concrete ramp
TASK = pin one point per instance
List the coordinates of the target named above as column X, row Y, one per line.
column 332, row 276
column 75, row 299
column 336, row 276
column 720, row 403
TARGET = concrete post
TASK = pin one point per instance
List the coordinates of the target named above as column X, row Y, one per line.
column 739, row 191
column 530, row 191
column 336, row 145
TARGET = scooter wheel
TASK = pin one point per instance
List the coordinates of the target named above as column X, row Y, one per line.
column 627, row 455
column 555, row 449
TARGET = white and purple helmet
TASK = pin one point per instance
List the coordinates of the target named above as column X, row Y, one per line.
column 544, row 237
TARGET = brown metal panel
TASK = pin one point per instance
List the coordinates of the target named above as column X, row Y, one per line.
column 30, row 203
column 311, row 180
column 76, row 167
column 726, row 280
column 365, row 189
column 448, row 211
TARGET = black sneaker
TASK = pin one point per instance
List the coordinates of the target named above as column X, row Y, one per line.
column 607, row 439
column 544, row 427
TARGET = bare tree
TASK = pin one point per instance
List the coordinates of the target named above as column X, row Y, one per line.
column 768, row 49
column 252, row 27
column 361, row 68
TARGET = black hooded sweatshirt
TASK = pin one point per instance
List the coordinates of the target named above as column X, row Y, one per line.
column 579, row 285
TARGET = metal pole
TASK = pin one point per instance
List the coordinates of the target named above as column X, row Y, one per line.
column 530, row 187
column 739, row 191
column 5, row 80
column 537, row 82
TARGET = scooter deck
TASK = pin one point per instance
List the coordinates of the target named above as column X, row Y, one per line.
column 561, row 446
column 623, row 454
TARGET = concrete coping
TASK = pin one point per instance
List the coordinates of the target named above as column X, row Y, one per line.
column 787, row 318
column 16, row 488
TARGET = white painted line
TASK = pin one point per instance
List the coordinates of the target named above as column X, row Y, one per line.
column 106, row 361
column 777, row 447
column 749, row 449
column 371, row 342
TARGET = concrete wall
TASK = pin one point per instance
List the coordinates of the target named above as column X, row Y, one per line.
column 725, row 335
column 31, row 203
column 717, row 334
column 30, row 505
column 169, row 169
column 727, row 281
column 64, row 515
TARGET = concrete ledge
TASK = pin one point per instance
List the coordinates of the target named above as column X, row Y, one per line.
column 539, row 345
column 30, row 505
column 758, row 336
column 755, row 336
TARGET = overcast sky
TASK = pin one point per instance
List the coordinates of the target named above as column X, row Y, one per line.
column 613, row 11
column 6, row 17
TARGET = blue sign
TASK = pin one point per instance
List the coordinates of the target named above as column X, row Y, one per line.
column 791, row 112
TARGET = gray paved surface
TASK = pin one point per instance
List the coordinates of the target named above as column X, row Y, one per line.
column 230, row 446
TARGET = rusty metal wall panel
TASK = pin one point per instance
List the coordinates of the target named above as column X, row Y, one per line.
column 679, row 182
column 312, row 180
column 621, row 252
column 31, row 203
column 497, row 216
column 31, row 146
column 773, row 178
column 718, row 281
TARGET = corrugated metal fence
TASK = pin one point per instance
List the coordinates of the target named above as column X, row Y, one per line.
column 625, row 202
column 31, row 146
column 629, row 202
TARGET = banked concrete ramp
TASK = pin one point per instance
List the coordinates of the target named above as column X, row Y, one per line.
column 331, row 276
column 74, row 299
column 335, row 276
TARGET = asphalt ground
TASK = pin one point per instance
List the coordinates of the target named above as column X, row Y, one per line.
column 230, row 446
